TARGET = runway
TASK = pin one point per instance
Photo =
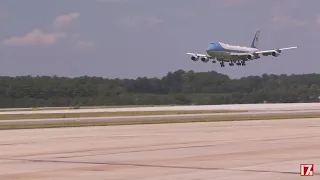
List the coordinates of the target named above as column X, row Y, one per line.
column 240, row 150
column 155, row 117
column 245, row 107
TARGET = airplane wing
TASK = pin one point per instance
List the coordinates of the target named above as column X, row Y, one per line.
column 199, row 55
column 264, row 53
column 268, row 52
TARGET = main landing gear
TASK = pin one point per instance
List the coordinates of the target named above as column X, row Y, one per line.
column 232, row 63
column 238, row 63
column 242, row 63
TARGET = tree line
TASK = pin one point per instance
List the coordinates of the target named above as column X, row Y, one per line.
column 178, row 87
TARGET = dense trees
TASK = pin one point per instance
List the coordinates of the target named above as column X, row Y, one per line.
column 177, row 87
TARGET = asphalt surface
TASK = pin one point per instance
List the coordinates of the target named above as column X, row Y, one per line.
column 241, row 150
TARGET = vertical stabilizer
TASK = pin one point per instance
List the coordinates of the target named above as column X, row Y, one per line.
column 255, row 42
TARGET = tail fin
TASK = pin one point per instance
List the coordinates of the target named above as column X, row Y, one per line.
column 255, row 42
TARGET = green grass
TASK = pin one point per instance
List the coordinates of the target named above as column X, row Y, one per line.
column 140, row 122
column 126, row 106
column 83, row 107
column 106, row 114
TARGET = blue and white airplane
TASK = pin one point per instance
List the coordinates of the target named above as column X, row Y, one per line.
column 218, row 51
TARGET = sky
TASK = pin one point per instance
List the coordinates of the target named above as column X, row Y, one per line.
column 149, row 38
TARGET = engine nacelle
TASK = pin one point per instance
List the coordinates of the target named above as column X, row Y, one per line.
column 204, row 59
column 275, row 53
column 194, row 58
column 249, row 57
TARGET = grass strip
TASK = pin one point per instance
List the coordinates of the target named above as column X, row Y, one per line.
column 106, row 114
column 164, row 121
column 84, row 107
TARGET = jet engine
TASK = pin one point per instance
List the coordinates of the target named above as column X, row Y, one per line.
column 194, row 58
column 204, row 59
column 275, row 53
column 249, row 57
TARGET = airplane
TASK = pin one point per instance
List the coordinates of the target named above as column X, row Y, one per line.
column 222, row 52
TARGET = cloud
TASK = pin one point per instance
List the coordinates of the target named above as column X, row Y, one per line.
column 65, row 20
column 283, row 15
column 233, row 2
column 3, row 14
column 80, row 44
column 84, row 46
column 140, row 21
column 318, row 19
column 288, row 21
column 111, row 1
column 35, row 37
column 38, row 37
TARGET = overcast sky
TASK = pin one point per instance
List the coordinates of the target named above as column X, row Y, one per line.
column 131, row 38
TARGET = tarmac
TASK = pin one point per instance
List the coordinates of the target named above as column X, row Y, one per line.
column 246, row 107
column 241, row 150
column 156, row 117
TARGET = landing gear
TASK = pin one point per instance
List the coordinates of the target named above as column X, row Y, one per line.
column 241, row 63
column 233, row 63
column 238, row 63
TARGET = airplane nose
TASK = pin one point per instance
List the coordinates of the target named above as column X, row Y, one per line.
column 210, row 47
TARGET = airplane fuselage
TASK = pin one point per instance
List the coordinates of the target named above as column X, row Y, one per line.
column 223, row 51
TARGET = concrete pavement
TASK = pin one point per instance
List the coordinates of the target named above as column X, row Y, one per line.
column 246, row 107
column 240, row 150
column 154, row 117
